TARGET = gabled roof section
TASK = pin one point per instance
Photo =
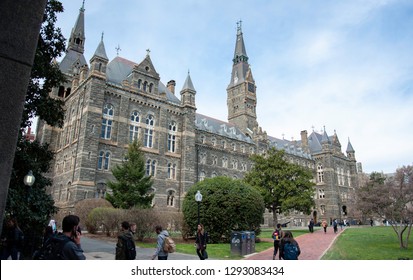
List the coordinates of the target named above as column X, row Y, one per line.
column 71, row 60
column 120, row 68
column 146, row 67
column 222, row 128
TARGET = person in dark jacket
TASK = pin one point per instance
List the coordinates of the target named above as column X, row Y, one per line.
column 288, row 239
column 201, row 242
column 276, row 236
column 125, row 234
column 71, row 237
column 12, row 241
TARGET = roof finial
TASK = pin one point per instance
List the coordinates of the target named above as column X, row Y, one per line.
column 239, row 27
column 83, row 6
column 148, row 52
column 101, row 38
column 117, row 50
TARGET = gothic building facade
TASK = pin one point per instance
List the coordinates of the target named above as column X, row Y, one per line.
column 109, row 103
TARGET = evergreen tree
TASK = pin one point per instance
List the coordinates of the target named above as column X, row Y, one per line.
column 284, row 186
column 132, row 187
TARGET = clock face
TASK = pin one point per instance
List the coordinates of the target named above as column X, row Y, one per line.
column 251, row 87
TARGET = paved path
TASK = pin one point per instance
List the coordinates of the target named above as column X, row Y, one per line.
column 312, row 245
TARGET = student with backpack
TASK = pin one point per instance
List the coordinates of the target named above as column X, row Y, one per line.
column 276, row 236
column 125, row 247
column 289, row 249
column 63, row 245
column 160, row 251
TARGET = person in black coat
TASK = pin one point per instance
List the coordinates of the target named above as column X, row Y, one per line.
column 201, row 242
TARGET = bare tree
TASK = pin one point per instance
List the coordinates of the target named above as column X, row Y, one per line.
column 390, row 198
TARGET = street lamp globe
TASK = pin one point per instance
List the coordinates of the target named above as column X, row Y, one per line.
column 198, row 196
column 29, row 179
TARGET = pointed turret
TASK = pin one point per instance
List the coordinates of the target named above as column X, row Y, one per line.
column 188, row 92
column 77, row 36
column 351, row 153
column 99, row 60
column 325, row 139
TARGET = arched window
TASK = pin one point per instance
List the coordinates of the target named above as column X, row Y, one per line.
column 321, row 193
column 202, row 158
column 104, row 160
column 320, row 173
column 134, row 127
column 172, row 171
column 202, row 176
column 107, row 121
column 139, row 83
column 150, row 87
column 214, row 141
column 224, row 162
column 148, row 141
column 145, row 86
column 214, row 174
column 170, row 200
column 150, row 167
column 172, row 137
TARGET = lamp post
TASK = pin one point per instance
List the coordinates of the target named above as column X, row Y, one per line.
column 198, row 198
column 29, row 179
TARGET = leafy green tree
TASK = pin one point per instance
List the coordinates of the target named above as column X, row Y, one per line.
column 33, row 206
column 391, row 199
column 132, row 187
column 227, row 205
column 284, row 186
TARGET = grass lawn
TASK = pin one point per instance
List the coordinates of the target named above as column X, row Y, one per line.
column 368, row 243
column 221, row 251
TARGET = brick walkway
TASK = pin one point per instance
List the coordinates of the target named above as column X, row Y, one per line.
column 312, row 245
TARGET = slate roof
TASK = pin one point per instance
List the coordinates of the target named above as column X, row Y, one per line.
column 222, row 128
column 290, row 147
column 71, row 59
column 119, row 69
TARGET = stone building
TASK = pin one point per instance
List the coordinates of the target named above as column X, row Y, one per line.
column 109, row 103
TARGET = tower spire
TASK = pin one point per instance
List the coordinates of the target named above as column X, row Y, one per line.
column 77, row 36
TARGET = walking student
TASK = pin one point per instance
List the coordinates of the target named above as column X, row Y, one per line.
column 159, row 252
column 201, row 242
column 277, row 235
column 289, row 249
column 324, row 225
column 125, row 247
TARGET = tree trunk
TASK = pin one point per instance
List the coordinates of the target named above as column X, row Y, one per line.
column 274, row 217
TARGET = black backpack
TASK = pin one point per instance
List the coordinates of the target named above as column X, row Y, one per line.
column 290, row 251
column 52, row 248
column 130, row 248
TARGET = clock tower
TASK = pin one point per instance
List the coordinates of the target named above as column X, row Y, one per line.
column 241, row 91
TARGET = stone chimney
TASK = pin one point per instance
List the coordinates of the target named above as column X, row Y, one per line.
column 171, row 86
column 304, row 140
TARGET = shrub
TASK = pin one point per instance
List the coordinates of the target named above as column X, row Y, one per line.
column 145, row 219
column 106, row 219
column 227, row 205
column 83, row 207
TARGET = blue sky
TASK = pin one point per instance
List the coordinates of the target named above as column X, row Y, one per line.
column 343, row 65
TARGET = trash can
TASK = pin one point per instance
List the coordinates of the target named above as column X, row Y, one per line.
column 236, row 240
column 249, row 242
column 243, row 242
